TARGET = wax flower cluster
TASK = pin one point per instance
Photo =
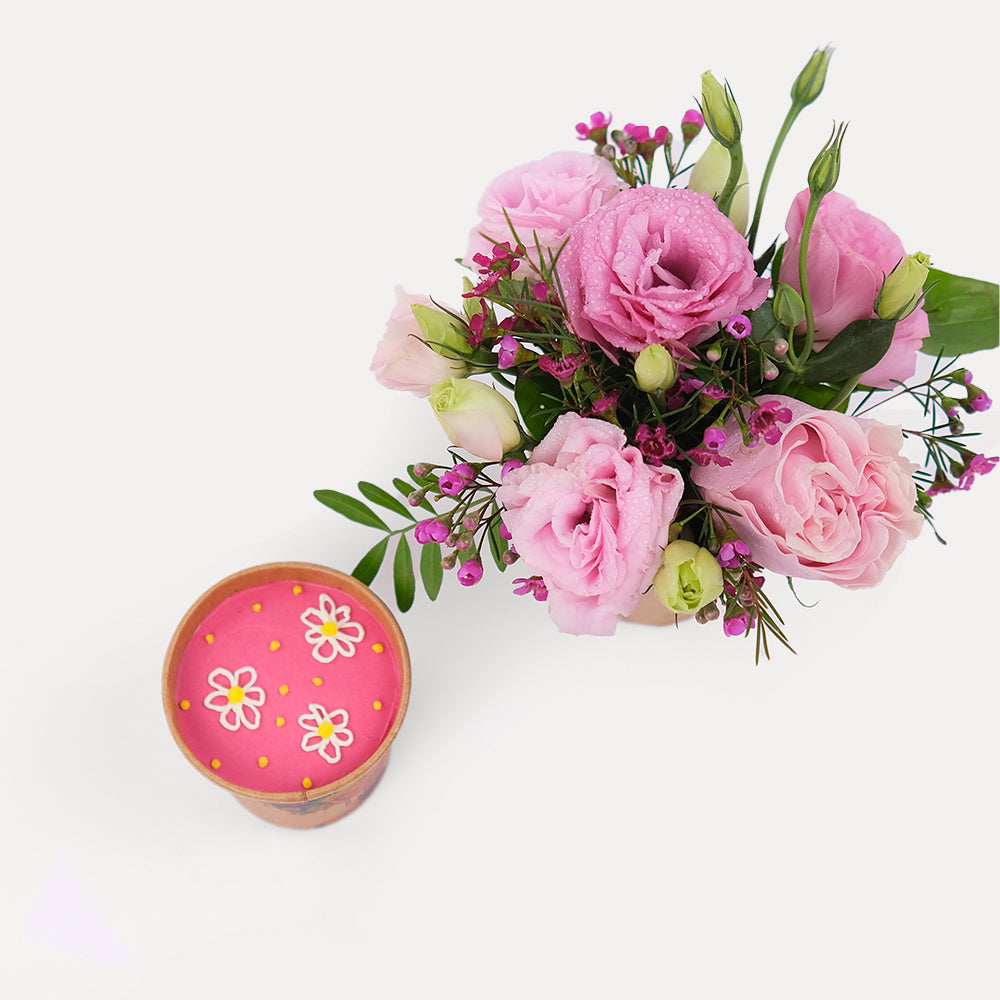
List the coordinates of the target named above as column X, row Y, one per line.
column 642, row 402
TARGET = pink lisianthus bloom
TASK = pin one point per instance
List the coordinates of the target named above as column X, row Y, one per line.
column 850, row 253
column 403, row 360
column 656, row 266
column 543, row 199
column 589, row 517
column 832, row 499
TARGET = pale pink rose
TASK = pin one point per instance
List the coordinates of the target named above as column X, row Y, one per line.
column 543, row 200
column 403, row 360
column 850, row 253
column 832, row 499
column 591, row 519
column 657, row 266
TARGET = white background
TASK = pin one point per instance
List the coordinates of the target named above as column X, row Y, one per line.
column 205, row 208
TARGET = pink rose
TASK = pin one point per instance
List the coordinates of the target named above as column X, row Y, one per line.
column 544, row 198
column 833, row 499
column 850, row 253
column 403, row 360
column 657, row 266
column 591, row 519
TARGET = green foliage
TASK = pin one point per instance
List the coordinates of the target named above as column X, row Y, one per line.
column 431, row 572
column 540, row 400
column 963, row 314
column 351, row 508
column 403, row 580
column 857, row 348
column 377, row 495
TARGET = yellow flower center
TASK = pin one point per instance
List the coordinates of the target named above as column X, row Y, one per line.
column 325, row 729
column 235, row 693
column 329, row 628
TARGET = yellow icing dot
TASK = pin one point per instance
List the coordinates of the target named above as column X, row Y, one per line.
column 262, row 762
column 185, row 705
column 235, row 694
column 296, row 590
column 377, row 705
column 209, row 637
column 329, row 628
column 325, row 729
column 216, row 764
column 317, row 681
column 283, row 689
column 279, row 721
column 378, row 648
column 306, row 783
column 256, row 607
column 273, row 645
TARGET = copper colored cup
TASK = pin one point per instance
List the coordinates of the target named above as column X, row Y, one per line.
column 303, row 808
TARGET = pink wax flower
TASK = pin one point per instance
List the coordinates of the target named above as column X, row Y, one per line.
column 590, row 518
column 544, row 198
column 833, row 499
column 850, row 253
column 656, row 266
column 403, row 360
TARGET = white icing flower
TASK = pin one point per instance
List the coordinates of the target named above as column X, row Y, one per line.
column 326, row 732
column 236, row 697
column 331, row 631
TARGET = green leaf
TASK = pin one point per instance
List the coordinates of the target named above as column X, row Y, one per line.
column 858, row 347
column 371, row 562
column 402, row 575
column 377, row 495
column 430, row 569
column 498, row 545
column 539, row 398
column 963, row 314
column 350, row 508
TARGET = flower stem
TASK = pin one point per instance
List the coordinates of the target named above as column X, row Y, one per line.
column 725, row 199
column 786, row 125
column 807, row 224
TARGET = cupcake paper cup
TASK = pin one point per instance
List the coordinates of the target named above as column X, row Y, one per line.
column 286, row 684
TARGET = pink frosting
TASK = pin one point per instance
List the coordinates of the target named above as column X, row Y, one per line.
column 588, row 516
column 832, row 500
column 656, row 266
column 850, row 253
column 364, row 686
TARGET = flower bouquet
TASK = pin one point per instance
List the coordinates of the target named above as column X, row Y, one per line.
column 639, row 404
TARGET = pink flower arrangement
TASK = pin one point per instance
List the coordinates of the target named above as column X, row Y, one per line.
column 590, row 518
column 850, row 253
column 831, row 499
column 641, row 403
column 656, row 266
column 542, row 200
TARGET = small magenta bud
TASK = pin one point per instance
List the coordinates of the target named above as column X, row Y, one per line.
column 780, row 346
column 509, row 558
column 691, row 124
column 770, row 372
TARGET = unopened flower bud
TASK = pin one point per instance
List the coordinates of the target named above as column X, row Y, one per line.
column 780, row 346
column 809, row 83
column 691, row 124
column 689, row 578
column 718, row 106
column 903, row 287
column 789, row 309
column 655, row 368
column 416, row 498
column 714, row 353
column 509, row 558
column 448, row 562
column 770, row 372
column 710, row 173
column 825, row 169
column 709, row 613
